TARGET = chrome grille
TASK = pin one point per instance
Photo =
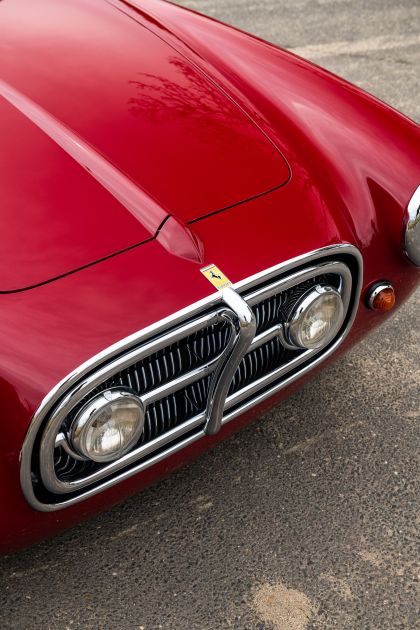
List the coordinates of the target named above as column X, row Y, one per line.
column 186, row 355
column 172, row 372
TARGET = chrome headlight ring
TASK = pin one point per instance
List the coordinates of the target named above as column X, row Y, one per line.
column 412, row 230
column 316, row 318
column 108, row 426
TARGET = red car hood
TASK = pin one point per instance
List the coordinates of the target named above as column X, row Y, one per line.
column 105, row 131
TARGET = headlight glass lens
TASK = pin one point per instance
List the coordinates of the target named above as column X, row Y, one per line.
column 108, row 426
column 317, row 318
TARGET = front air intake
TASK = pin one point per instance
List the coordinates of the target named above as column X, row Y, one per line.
column 170, row 367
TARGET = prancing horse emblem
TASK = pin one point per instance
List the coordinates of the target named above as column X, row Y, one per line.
column 216, row 277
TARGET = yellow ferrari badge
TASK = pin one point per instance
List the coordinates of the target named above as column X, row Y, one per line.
column 216, row 277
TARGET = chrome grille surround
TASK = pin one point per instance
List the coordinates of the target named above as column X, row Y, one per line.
column 44, row 432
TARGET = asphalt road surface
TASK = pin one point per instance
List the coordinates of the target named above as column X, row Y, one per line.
column 307, row 518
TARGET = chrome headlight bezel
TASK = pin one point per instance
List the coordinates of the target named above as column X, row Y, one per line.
column 85, row 418
column 412, row 229
column 302, row 310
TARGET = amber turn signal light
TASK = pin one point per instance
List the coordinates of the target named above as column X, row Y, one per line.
column 381, row 297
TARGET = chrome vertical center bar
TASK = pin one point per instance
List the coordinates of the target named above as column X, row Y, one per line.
column 240, row 343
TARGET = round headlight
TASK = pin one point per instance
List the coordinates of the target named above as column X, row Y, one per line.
column 108, row 426
column 316, row 318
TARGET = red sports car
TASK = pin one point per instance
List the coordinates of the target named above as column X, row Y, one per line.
column 192, row 221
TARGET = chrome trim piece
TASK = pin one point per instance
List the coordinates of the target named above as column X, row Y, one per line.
column 412, row 230
column 373, row 292
column 221, row 381
column 83, row 380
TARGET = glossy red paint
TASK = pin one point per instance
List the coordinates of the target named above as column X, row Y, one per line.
column 354, row 163
column 102, row 106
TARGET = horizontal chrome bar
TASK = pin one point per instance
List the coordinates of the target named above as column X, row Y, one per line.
column 179, row 383
column 265, row 337
column 255, row 386
column 182, row 381
column 268, row 335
